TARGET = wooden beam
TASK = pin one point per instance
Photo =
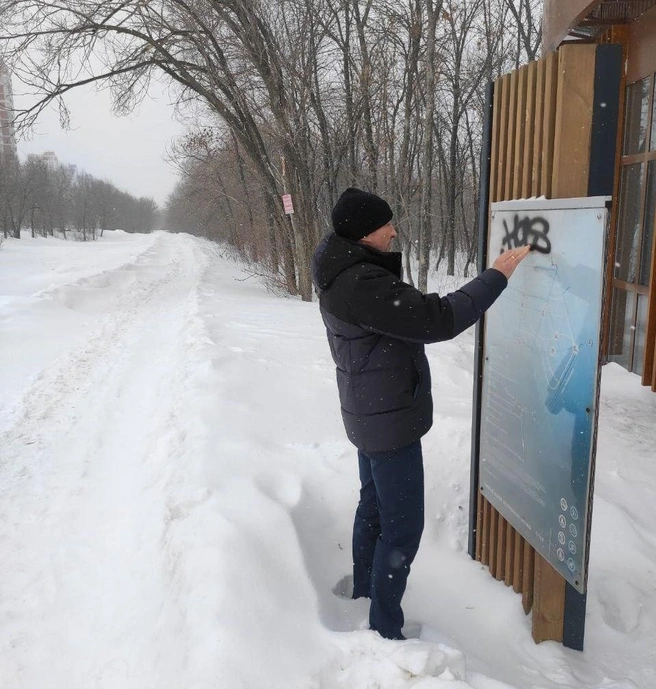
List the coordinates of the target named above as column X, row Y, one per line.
column 528, row 579
column 570, row 175
column 520, row 130
column 494, row 523
column 479, row 525
column 500, row 570
column 561, row 16
column 509, row 565
column 495, row 144
column 485, row 533
column 518, row 573
column 529, row 131
column 504, row 89
column 508, row 187
column 548, row 602
column 538, row 133
column 576, row 70
column 549, row 124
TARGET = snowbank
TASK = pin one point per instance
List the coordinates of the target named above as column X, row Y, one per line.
column 177, row 494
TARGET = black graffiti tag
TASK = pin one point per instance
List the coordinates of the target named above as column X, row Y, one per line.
column 527, row 232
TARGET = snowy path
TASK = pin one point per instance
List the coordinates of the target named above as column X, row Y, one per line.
column 84, row 470
column 176, row 495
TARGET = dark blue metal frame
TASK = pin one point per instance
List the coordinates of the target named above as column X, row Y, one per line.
column 483, row 222
column 603, row 145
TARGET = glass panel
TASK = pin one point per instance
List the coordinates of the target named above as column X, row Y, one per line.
column 628, row 227
column 637, row 104
column 621, row 327
column 648, row 226
column 537, row 464
column 640, row 333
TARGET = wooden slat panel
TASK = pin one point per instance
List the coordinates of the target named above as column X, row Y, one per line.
column 548, row 602
column 500, row 571
column 538, row 136
column 528, row 578
column 504, row 88
column 494, row 520
column 510, row 555
column 518, row 569
column 520, row 129
column 549, row 124
column 510, row 143
column 529, row 131
column 571, row 168
column 485, row 534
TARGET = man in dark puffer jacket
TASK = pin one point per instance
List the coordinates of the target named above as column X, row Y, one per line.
column 377, row 327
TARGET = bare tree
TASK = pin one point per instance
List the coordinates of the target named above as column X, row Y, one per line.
column 386, row 95
column 527, row 15
column 433, row 11
column 229, row 54
column 18, row 189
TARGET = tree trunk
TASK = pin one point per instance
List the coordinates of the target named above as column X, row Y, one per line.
column 426, row 224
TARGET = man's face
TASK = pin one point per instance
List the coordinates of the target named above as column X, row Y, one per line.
column 381, row 238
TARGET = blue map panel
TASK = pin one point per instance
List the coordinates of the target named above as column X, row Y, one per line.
column 540, row 376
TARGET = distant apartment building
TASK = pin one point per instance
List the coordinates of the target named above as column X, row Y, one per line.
column 7, row 136
column 49, row 158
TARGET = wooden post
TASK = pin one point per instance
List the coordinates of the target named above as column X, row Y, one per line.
column 548, row 602
column 569, row 178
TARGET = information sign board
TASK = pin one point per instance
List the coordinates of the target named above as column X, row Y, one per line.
column 287, row 204
column 540, row 375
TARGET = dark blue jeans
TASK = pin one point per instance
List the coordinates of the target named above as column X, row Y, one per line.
column 388, row 525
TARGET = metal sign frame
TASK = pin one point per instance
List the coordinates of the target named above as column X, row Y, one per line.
column 542, row 357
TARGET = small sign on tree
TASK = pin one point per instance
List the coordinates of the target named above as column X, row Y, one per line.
column 287, row 204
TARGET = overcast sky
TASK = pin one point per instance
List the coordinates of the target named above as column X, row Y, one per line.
column 127, row 151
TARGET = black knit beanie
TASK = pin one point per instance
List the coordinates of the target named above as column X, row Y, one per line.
column 358, row 213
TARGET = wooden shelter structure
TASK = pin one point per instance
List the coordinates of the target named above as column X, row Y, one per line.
column 579, row 122
column 631, row 317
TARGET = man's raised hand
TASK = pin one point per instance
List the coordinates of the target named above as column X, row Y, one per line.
column 508, row 261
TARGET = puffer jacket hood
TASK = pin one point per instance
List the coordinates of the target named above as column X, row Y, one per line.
column 336, row 254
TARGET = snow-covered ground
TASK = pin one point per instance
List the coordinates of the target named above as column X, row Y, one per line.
column 176, row 496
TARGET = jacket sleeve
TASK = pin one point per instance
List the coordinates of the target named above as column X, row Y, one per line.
column 385, row 304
